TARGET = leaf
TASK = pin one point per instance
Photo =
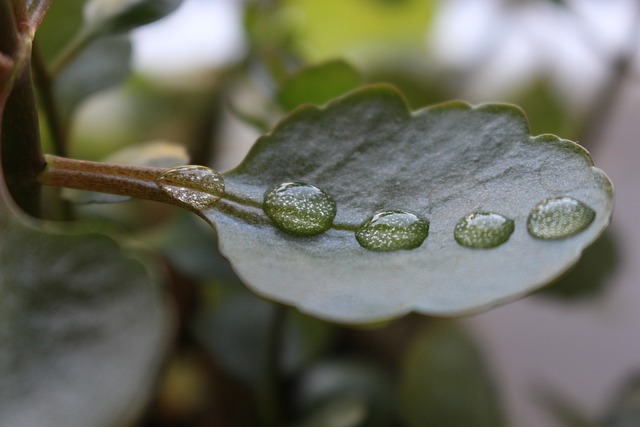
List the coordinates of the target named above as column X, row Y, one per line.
column 104, row 63
column 117, row 16
column 445, row 382
column 59, row 26
column 318, row 84
column 345, row 393
column 370, row 154
column 235, row 330
column 82, row 327
column 625, row 410
column 591, row 276
column 335, row 28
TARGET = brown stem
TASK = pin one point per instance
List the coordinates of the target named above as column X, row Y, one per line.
column 125, row 180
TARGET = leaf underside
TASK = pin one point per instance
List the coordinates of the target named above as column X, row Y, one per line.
column 370, row 153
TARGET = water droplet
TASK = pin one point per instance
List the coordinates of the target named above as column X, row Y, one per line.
column 558, row 218
column 483, row 230
column 393, row 230
column 197, row 186
column 299, row 208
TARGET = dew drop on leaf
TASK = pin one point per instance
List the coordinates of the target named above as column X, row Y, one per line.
column 559, row 217
column 196, row 186
column 299, row 208
column 483, row 230
column 393, row 230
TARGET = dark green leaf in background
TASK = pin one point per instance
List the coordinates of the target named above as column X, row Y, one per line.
column 59, row 26
column 370, row 154
column 83, row 325
column 82, row 329
column 104, row 63
column 445, row 382
column 625, row 410
column 318, row 84
column 345, row 393
column 236, row 328
column 110, row 17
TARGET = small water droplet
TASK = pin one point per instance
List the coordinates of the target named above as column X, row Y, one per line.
column 483, row 230
column 393, row 230
column 558, row 218
column 299, row 208
column 197, row 186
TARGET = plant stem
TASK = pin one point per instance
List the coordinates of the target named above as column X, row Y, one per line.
column 21, row 154
column 126, row 180
column 57, row 125
column 270, row 390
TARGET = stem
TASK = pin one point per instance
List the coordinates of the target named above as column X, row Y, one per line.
column 22, row 158
column 270, row 390
column 138, row 182
column 55, row 122
column 126, row 180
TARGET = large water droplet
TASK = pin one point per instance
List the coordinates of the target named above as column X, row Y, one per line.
column 197, row 186
column 558, row 218
column 299, row 208
column 393, row 230
column 483, row 230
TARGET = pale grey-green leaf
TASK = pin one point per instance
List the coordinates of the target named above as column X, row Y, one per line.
column 82, row 329
column 369, row 153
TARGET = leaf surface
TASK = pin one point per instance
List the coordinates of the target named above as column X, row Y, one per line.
column 369, row 153
column 83, row 326
column 103, row 64
column 445, row 382
column 110, row 17
column 82, row 329
column 318, row 84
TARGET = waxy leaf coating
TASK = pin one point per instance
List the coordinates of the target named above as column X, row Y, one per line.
column 370, row 153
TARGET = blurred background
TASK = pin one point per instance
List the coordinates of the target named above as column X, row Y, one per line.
column 211, row 71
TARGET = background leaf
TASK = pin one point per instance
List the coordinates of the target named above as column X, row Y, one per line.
column 442, row 162
column 445, row 382
column 345, row 393
column 318, row 84
column 104, row 63
column 83, row 327
column 109, row 16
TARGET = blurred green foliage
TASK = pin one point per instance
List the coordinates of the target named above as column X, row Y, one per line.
column 82, row 320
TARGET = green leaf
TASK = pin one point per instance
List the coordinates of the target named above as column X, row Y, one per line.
column 345, row 393
column 625, row 411
column 59, row 26
column 590, row 278
column 104, row 63
column 445, row 382
column 82, row 327
column 235, row 329
column 369, row 154
column 109, row 16
column 357, row 29
column 318, row 84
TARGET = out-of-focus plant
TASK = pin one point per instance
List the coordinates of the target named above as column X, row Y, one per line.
column 357, row 207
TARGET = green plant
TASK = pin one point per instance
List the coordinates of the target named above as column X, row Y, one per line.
column 353, row 210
